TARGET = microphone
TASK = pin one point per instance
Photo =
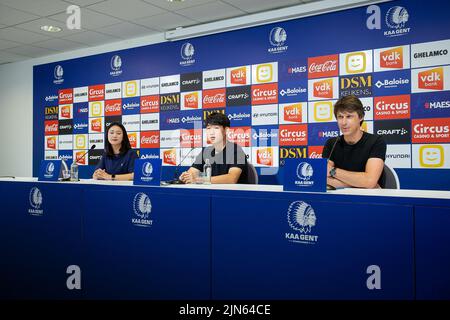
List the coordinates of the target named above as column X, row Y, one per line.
column 82, row 157
column 330, row 187
column 175, row 179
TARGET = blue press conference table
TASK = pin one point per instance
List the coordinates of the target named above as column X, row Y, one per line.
column 221, row 242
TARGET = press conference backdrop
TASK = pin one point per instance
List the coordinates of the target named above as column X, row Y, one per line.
column 277, row 84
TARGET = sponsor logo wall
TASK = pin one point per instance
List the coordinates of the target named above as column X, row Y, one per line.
column 278, row 107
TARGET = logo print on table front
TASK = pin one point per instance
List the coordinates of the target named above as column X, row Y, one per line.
column 142, row 208
column 301, row 218
column 36, row 199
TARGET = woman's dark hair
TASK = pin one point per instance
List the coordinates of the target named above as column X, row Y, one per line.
column 217, row 118
column 125, row 141
column 349, row 104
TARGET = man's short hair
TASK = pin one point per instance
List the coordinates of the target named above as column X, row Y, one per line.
column 349, row 104
column 217, row 118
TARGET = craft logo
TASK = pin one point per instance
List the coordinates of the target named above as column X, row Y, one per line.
column 394, row 131
column 301, row 218
column 239, row 96
column 116, row 66
column 431, row 130
column 392, row 107
column 36, row 200
column 238, row 76
column 191, row 81
column 360, row 86
column 187, row 54
column 277, row 38
column 322, row 67
column 58, row 73
column 432, row 79
column 214, row 98
column 392, row 58
column 149, row 104
column 150, row 139
column 431, row 156
column 265, row 93
column 323, row 89
column 170, row 157
column 65, row 127
column 396, row 19
column 142, row 207
column 265, row 156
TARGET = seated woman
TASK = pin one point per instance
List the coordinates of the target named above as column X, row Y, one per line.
column 117, row 162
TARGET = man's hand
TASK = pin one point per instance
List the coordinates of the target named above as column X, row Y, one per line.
column 187, row 177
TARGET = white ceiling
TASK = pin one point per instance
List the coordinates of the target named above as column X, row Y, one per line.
column 105, row 21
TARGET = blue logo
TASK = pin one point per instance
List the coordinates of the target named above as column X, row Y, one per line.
column 131, row 105
column 264, row 136
column 278, row 36
column 319, row 133
column 304, row 171
column 293, row 91
column 66, row 155
column 191, row 119
column 292, row 70
column 391, row 83
column 239, row 116
column 149, row 154
column 81, row 111
column 430, row 105
column 170, row 120
column 80, row 126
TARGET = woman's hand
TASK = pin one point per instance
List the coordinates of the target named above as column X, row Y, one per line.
column 101, row 174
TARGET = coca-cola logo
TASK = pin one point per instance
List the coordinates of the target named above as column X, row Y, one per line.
column 51, row 127
column 327, row 66
column 112, row 107
column 149, row 139
column 217, row 98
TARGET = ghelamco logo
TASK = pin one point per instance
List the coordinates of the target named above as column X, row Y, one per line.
column 35, row 198
column 58, row 73
column 301, row 218
column 304, row 173
column 116, row 66
column 142, row 208
column 187, row 54
column 396, row 19
column 277, row 39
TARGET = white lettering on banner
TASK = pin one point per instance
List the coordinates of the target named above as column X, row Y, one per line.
column 327, row 66
column 264, row 93
column 149, row 139
column 420, row 128
column 217, row 98
column 112, row 107
column 295, row 134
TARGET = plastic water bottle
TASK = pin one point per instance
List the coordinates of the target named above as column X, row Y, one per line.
column 74, row 171
column 207, row 172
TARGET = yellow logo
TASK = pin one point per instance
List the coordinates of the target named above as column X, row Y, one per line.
column 80, row 141
column 96, row 109
column 264, row 73
column 431, row 156
column 130, row 89
column 355, row 62
column 323, row 111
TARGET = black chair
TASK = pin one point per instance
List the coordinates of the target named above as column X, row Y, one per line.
column 390, row 179
column 252, row 175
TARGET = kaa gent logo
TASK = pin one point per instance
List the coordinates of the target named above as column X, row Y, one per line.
column 142, row 207
column 35, row 198
column 116, row 65
column 187, row 54
column 301, row 217
column 58, row 73
column 49, row 169
column 147, row 169
column 304, row 173
column 277, row 38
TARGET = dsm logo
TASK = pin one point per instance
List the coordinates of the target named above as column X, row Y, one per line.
column 304, row 171
column 147, row 169
column 301, row 216
column 142, row 207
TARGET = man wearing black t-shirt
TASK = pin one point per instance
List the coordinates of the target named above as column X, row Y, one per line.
column 356, row 159
column 228, row 160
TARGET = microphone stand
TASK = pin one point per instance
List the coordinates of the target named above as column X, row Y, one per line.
column 175, row 179
column 330, row 187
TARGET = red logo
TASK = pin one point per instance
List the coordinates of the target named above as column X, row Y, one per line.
column 238, row 76
column 97, row 92
column 392, row 58
column 293, row 135
column 431, row 79
column 190, row 138
column 170, row 157
column 324, row 66
column 113, row 107
column 149, row 104
column 264, row 156
column 431, row 130
column 150, row 139
column 79, row 159
column 323, row 89
column 191, row 100
column 51, row 143
column 315, row 152
column 51, row 127
column 293, row 113
column 65, row 112
column 96, row 125
column 133, row 139
column 265, row 93
column 392, row 107
column 65, row 96
column 214, row 98
column 240, row 135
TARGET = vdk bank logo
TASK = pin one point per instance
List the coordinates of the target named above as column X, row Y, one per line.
column 142, row 208
column 187, row 54
column 116, row 66
column 35, row 199
column 277, row 38
column 49, row 170
column 304, row 172
column 301, row 218
column 58, row 73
